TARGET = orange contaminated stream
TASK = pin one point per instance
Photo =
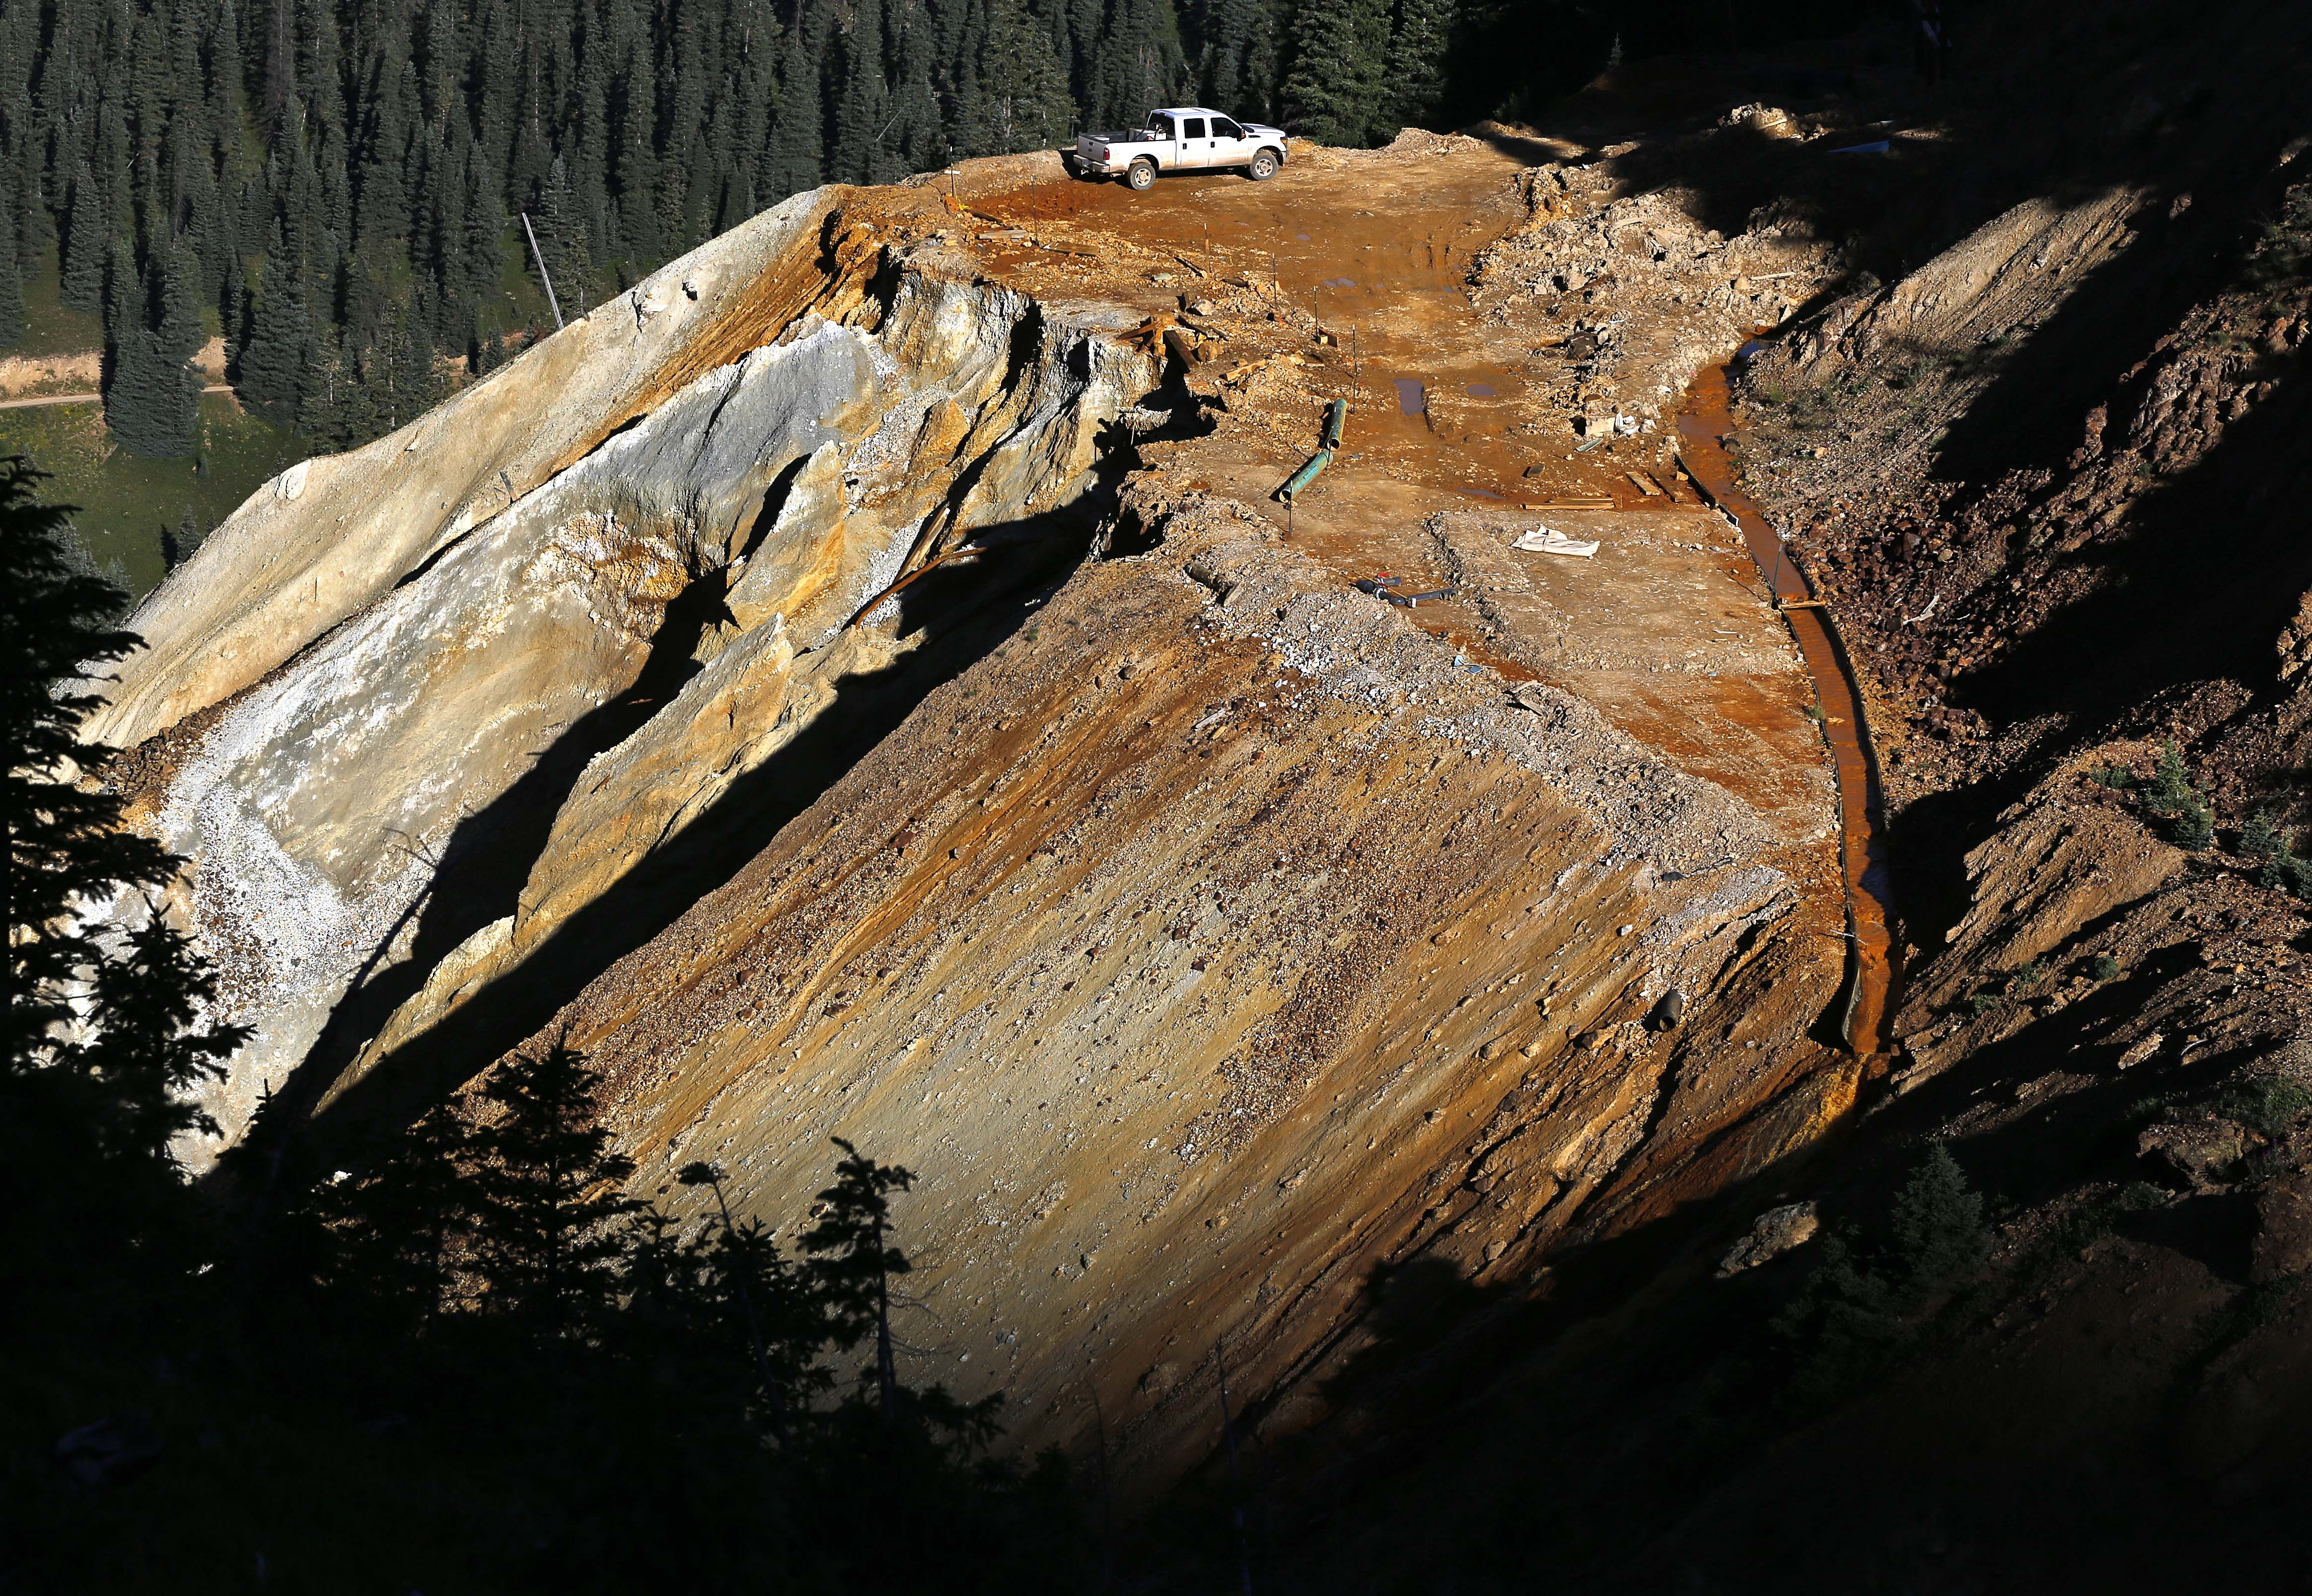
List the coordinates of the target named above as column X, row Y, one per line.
column 1702, row 426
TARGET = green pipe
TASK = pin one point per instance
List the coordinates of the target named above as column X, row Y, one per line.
column 1336, row 416
column 1307, row 474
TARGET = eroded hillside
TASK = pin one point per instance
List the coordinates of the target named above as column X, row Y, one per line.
column 858, row 684
column 2038, row 447
column 862, row 682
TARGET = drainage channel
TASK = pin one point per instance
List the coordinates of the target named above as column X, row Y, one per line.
column 1702, row 424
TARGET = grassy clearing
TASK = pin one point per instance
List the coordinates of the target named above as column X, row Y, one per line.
column 125, row 503
column 49, row 328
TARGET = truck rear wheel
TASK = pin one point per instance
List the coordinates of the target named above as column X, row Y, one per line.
column 1263, row 167
column 1140, row 175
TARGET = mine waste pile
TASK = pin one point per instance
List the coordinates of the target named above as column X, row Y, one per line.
column 1414, row 934
column 813, row 687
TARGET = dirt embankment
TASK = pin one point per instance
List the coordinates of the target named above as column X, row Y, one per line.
column 1227, row 934
column 30, row 375
column 726, row 684
column 1361, row 932
column 2035, row 443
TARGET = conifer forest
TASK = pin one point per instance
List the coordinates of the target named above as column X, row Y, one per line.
column 336, row 186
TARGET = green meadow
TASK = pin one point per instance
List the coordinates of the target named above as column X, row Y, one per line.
column 125, row 501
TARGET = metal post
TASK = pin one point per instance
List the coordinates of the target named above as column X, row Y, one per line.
column 539, row 256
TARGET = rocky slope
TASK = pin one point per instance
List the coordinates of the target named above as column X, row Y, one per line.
column 860, row 683
column 392, row 711
column 2038, row 446
column 725, row 687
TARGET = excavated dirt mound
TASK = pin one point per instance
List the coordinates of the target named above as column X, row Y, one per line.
column 864, row 682
column 859, row 682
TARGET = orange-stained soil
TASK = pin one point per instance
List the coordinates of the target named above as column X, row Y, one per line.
column 1355, row 276
column 1861, row 808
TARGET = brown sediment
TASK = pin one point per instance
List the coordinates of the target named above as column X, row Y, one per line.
column 1702, row 426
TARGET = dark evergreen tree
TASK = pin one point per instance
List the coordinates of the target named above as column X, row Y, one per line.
column 635, row 164
column 862, row 111
column 404, row 1225
column 181, row 329
column 1020, row 100
column 329, row 408
column 274, row 359
column 1238, row 65
column 918, row 135
column 855, row 1259
column 784, row 1321
column 1333, row 90
column 1140, row 63
column 1416, row 74
column 793, row 160
column 152, row 403
column 85, row 243
column 548, row 1233
column 176, row 545
column 565, row 238
column 103, row 1041
column 11, row 280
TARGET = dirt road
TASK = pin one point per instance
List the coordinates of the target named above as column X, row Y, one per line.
column 40, row 399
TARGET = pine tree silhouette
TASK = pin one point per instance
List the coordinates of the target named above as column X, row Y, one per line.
column 547, row 1240
column 105, row 1037
column 853, row 1260
column 406, row 1225
column 774, row 1306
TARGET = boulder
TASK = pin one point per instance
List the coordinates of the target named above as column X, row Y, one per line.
column 1774, row 1232
column 2204, row 1152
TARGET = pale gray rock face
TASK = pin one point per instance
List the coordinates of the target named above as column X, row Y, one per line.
column 330, row 536
column 325, row 807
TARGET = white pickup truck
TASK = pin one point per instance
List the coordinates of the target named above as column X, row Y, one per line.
column 1184, row 138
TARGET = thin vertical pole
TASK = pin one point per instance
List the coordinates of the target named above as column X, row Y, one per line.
column 539, row 256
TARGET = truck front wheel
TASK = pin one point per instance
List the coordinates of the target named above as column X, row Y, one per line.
column 1140, row 175
column 1263, row 167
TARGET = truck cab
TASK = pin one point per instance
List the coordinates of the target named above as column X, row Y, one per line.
column 1179, row 139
